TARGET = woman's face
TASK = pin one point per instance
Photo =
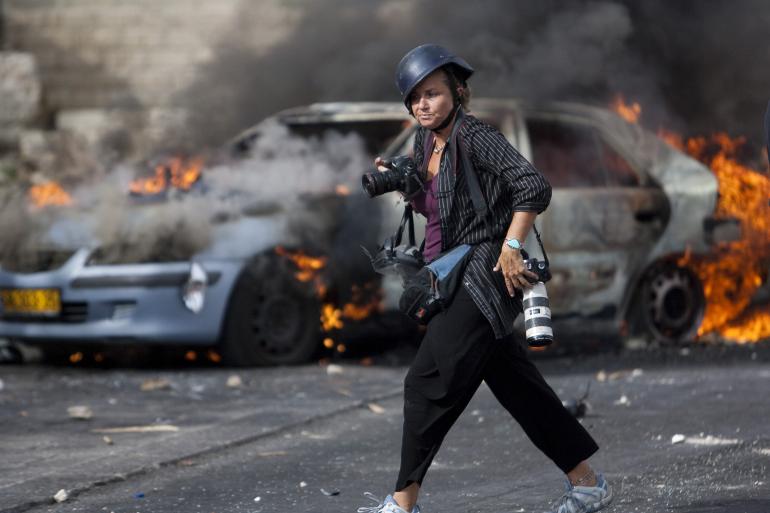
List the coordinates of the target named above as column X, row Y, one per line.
column 431, row 100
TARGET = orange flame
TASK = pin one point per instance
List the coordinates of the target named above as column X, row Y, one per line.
column 308, row 267
column 732, row 275
column 49, row 194
column 176, row 172
column 628, row 111
column 342, row 190
column 365, row 300
column 331, row 317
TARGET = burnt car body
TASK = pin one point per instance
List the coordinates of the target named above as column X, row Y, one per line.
column 625, row 207
column 249, row 302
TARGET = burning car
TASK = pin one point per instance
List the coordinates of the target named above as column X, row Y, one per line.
column 280, row 273
column 629, row 215
column 233, row 255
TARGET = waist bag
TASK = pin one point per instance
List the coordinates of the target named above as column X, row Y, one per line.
column 432, row 288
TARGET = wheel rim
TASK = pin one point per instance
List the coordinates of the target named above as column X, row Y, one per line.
column 276, row 324
column 674, row 304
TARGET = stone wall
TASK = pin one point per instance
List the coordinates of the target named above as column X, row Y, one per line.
column 108, row 73
column 19, row 95
column 132, row 53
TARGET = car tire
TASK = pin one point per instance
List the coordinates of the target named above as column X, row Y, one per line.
column 672, row 303
column 272, row 318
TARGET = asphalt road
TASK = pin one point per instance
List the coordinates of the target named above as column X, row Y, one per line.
column 314, row 438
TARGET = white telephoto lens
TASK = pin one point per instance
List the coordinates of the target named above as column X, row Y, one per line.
column 537, row 316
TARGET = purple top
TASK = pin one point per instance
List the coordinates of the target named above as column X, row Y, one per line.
column 426, row 204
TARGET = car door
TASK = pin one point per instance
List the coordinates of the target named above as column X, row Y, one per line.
column 604, row 215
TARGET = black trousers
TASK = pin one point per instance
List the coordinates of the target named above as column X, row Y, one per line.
column 459, row 350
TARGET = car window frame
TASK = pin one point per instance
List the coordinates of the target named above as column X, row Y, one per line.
column 507, row 127
column 599, row 136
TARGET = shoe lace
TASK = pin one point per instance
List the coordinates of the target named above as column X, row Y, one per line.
column 372, row 509
column 567, row 500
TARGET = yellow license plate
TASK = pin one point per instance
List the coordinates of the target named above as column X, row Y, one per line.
column 30, row 301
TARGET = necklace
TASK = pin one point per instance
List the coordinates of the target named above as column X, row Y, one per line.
column 437, row 149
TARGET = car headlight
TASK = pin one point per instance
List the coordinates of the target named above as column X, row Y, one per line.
column 194, row 290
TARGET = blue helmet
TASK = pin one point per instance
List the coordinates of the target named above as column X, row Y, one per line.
column 420, row 62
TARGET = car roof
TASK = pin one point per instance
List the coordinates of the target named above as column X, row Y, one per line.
column 362, row 111
column 348, row 111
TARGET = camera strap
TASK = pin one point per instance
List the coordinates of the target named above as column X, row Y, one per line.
column 477, row 197
column 540, row 242
column 407, row 223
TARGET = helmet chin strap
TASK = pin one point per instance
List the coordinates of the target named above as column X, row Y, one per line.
column 447, row 119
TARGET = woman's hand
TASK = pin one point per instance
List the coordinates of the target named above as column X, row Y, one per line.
column 514, row 271
column 379, row 163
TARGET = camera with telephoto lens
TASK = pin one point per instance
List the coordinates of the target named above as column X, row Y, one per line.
column 401, row 176
column 537, row 309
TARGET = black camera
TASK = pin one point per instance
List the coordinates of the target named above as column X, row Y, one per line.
column 401, row 176
column 538, row 267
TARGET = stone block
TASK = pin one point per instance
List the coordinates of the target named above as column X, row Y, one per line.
column 20, row 88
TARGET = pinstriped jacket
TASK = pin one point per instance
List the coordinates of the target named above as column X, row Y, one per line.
column 509, row 184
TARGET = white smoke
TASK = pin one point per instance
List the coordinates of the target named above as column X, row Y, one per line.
column 283, row 192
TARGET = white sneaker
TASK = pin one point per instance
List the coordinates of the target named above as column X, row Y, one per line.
column 388, row 505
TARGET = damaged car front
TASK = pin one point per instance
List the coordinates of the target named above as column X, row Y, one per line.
column 235, row 262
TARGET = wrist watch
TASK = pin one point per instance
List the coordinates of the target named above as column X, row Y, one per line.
column 513, row 243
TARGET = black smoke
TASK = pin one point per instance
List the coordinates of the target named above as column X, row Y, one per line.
column 696, row 66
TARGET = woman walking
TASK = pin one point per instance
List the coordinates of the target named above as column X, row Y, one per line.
column 471, row 341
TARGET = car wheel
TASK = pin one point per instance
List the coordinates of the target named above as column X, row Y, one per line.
column 272, row 318
column 672, row 303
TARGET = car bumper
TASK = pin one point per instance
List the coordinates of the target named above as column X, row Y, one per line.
column 123, row 303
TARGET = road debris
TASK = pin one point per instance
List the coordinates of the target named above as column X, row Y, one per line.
column 61, row 495
column 153, row 428
column 334, row 369
column 602, row 376
column 139, row 495
column 234, row 381
column 623, row 401
column 302, row 484
column 80, row 412
column 107, row 440
column 313, row 436
column 678, row 438
column 331, row 493
column 710, row 440
column 376, row 408
column 148, row 385
column 578, row 407
column 257, row 498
